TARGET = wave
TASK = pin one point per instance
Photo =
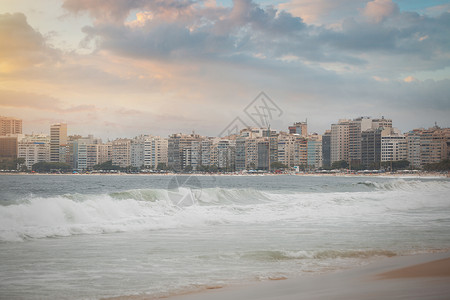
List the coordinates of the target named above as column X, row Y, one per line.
column 277, row 255
column 408, row 185
column 140, row 209
column 156, row 209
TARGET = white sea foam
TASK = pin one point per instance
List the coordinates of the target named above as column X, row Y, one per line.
column 152, row 209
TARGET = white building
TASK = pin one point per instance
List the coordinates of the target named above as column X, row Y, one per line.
column 394, row 147
column 85, row 152
column 155, row 151
column 137, row 147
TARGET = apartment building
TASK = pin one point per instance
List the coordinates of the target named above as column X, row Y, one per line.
column 10, row 125
column 58, row 142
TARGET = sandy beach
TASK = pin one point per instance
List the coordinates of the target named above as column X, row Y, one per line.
column 425, row 276
column 422, row 276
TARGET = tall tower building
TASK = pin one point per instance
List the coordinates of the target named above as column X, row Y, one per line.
column 10, row 126
column 300, row 128
column 58, row 142
column 340, row 140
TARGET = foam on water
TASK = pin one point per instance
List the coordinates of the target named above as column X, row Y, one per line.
column 152, row 209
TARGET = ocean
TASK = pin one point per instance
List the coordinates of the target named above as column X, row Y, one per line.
column 96, row 236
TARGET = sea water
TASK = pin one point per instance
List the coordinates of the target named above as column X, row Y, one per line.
column 92, row 236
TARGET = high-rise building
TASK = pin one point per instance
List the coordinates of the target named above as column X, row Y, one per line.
column 103, row 153
column 84, row 152
column 34, row 149
column 340, row 140
column 58, row 142
column 433, row 145
column 371, row 148
column 286, row 149
column 137, row 152
column 300, row 151
column 300, row 128
column 205, row 150
column 10, row 126
column 314, row 151
column 240, row 153
column 356, row 126
column 381, row 123
column 326, row 149
column 155, row 151
column 394, row 146
column 8, row 147
column 427, row 146
column 120, row 152
column 179, row 150
column 413, row 143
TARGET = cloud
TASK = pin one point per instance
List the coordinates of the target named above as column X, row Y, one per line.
column 21, row 46
column 248, row 32
column 378, row 10
column 322, row 12
column 106, row 11
column 15, row 99
column 410, row 79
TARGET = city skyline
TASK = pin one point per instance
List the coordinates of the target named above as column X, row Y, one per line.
column 360, row 142
column 124, row 68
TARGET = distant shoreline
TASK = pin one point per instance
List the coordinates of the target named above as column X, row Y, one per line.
column 381, row 175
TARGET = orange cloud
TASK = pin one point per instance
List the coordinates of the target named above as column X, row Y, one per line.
column 377, row 10
column 20, row 45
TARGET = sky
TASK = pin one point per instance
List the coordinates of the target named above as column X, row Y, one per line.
column 128, row 67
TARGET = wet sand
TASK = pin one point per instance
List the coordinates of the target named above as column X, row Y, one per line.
column 425, row 276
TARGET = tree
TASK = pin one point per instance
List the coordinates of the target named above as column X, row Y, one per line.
column 51, row 166
column 188, row 169
column 107, row 166
column 251, row 166
column 443, row 165
column 396, row 165
column 341, row 164
column 161, row 166
column 277, row 165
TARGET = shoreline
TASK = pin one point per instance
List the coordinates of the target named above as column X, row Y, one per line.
column 379, row 175
column 418, row 276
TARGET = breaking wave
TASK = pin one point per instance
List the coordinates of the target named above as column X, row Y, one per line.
column 408, row 185
column 155, row 209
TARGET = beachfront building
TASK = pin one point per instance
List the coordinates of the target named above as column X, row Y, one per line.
column 433, row 145
column 103, row 152
column 58, row 142
column 426, row 146
column 326, row 149
column 300, row 151
column 10, row 125
column 155, row 151
column 34, row 149
column 223, row 154
column 137, row 146
column 8, row 147
column 84, row 152
column 300, row 128
column 179, row 153
column 394, row 147
column 240, row 152
column 371, row 148
column 286, row 149
column 340, row 140
column 413, row 144
column 314, row 152
column 120, row 152
column 356, row 127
